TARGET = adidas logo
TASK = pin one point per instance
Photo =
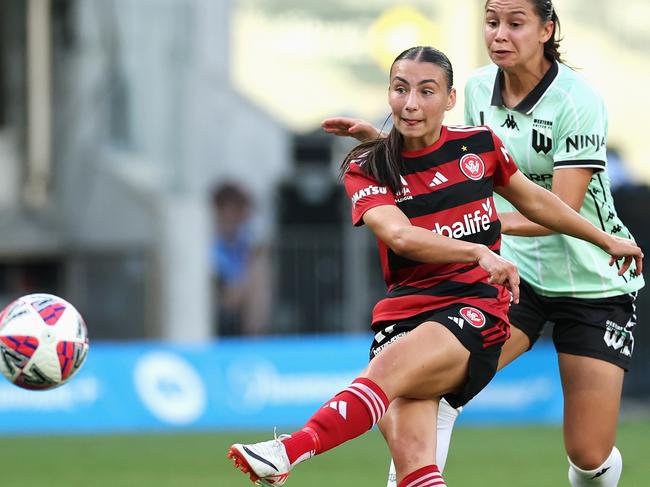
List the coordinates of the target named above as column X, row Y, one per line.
column 438, row 179
column 457, row 320
column 340, row 406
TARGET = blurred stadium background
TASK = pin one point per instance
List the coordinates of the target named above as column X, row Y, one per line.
column 163, row 169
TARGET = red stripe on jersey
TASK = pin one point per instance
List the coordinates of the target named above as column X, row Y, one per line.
column 391, row 309
column 446, row 188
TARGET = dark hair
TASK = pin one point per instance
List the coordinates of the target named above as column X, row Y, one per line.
column 545, row 11
column 230, row 193
column 381, row 158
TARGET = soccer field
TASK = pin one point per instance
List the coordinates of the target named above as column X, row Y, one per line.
column 522, row 457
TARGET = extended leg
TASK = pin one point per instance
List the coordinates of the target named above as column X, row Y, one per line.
column 426, row 363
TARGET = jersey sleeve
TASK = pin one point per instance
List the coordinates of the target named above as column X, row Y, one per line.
column 581, row 131
column 365, row 193
column 505, row 164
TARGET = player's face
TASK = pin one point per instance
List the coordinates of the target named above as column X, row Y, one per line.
column 419, row 96
column 514, row 33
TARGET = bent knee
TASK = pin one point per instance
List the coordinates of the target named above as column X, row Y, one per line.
column 589, row 458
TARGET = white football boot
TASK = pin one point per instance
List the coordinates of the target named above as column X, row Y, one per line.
column 266, row 462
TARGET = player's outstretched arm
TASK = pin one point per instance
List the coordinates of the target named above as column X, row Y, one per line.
column 547, row 209
column 569, row 184
column 350, row 127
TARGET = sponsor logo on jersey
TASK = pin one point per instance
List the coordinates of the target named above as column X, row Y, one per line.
column 542, row 138
column 438, row 179
column 473, row 316
column 470, row 223
column 368, row 191
column 380, row 336
column 543, row 180
column 404, row 193
column 381, row 347
column 472, row 166
column 580, row 142
column 510, row 122
column 620, row 337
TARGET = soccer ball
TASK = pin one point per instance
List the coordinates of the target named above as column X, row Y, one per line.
column 43, row 341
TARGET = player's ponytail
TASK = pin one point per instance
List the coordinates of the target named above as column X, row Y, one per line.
column 381, row 158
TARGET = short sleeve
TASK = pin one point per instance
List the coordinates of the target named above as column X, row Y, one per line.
column 365, row 193
column 505, row 164
column 580, row 129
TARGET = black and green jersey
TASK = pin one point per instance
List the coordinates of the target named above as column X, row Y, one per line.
column 562, row 123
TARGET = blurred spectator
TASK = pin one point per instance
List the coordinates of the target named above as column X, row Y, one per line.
column 617, row 169
column 240, row 264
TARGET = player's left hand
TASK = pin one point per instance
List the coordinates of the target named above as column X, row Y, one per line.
column 623, row 248
column 350, row 127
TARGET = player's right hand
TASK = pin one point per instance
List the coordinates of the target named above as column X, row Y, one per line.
column 626, row 249
column 350, row 127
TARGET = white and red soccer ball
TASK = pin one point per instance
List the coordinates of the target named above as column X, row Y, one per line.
column 43, row 341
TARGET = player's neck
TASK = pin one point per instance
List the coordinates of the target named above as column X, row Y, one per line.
column 519, row 81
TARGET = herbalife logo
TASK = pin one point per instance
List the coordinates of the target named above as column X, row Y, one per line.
column 438, row 179
column 469, row 224
column 510, row 122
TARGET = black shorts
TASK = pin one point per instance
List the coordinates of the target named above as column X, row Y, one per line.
column 479, row 332
column 599, row 328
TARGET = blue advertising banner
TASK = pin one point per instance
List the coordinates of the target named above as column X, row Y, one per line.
column 243, row 384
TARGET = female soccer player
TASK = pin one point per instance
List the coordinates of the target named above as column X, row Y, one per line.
column 555, row 126
column 426, row 191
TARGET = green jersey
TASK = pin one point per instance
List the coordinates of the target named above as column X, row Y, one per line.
column 562, row 123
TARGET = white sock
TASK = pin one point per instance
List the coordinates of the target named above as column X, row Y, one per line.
column 446, row 418
column 606, row 475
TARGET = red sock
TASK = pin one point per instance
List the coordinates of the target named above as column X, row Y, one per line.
column 347, row 415
column 428, row 476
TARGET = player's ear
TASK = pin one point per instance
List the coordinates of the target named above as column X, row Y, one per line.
column 451, row 100
column 547, row 31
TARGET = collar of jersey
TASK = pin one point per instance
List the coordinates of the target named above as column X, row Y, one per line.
column 527, row 104
column 428, row 149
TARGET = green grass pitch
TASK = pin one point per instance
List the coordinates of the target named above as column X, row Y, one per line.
column 514, row 456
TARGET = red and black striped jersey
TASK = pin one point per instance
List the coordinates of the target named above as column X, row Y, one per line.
column 446, row 188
